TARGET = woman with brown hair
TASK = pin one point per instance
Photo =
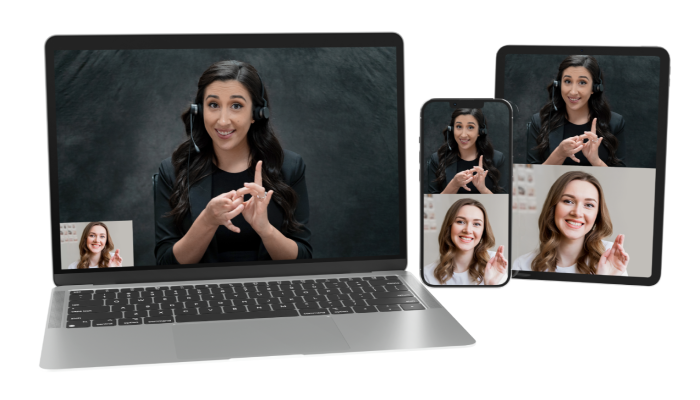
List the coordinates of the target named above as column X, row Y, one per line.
column 573, row 223
column 464, row 240
column 95, row 246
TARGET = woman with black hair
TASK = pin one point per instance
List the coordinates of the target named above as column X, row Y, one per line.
column 466, row 162
column 213, row 197
column 576, row 126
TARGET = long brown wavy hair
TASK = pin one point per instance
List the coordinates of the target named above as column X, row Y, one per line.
column 551, row 237
column 85, row 252
column 448, row 251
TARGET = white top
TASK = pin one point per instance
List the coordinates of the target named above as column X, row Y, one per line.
column 75, row 264
column 524, row 262
column 458, row 278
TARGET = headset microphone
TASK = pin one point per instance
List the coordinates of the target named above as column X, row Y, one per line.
column 194, row 110
column 555, row 84
column 447, row 136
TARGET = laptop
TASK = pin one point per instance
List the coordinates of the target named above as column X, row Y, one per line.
column 224, row 196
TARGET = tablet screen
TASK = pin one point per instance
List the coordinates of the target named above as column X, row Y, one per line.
column 586, row 157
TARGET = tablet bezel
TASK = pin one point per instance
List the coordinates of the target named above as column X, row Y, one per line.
column 664, row 82
column 221, row 271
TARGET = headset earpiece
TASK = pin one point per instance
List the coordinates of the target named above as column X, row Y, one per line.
column 263, row 112
column 598, row 87
column 483, row 131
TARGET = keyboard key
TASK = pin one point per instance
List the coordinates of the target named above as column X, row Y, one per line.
column 207, row 286
column 231, row 309
column 135, row 314
column 303, row 306
column 210, row 310
column 412, row 307
column 314, row 312
column 392, row 278
column 78, row 324
column 106, row 290
column 85, row 303
column 161, row 313
column 142, row 307
column 129, row 321
column 360, row 296
column 88, row 310
column 402, row 293
column 72, row 292
column 219, row 303
column 124, row 307
column 104, row 322
column 392, row 300
column 388, row 307
column 329, row 304
column 283, row 306
column 88, row 317
column 81, row 297
column 246, row 302
column 360, row 309
column 264, row 307
column 116, row 302
column 397, row 288
column 185, row 311
column 238, row 315
column 341, row 310
column 159, row 320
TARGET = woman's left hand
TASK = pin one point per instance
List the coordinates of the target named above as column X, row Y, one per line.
column 590, row 148
column 496, row 268
column 255, row 211
column 116, row 260
column 614, row 261
column 480, row 177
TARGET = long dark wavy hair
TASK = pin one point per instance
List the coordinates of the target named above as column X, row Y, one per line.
column 598, row 107
column 448, row 251
column 261, row 140
column 551, row 237
column 483, row 148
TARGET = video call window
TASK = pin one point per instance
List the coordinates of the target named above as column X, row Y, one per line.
column 225, row 156
column 585, row 143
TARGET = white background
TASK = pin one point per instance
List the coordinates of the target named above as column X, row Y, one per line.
column 534, row 339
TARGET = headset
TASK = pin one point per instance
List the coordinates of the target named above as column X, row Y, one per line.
column 483, row 131
column 597, row 87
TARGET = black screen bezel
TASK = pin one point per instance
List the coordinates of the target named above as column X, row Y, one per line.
column 221, row 271
column 466, row 103
column 664, row 81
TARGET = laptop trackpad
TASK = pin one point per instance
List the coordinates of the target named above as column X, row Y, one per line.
column 258, row 337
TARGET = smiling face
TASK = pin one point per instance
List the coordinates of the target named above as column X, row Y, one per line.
column 577, row 209
column 228, row 114
column 96, row 239
column 576, row 87
column 467, row 228
column 466, row 131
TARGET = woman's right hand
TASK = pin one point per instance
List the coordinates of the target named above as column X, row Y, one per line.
column 569, row 147
column 222, row 209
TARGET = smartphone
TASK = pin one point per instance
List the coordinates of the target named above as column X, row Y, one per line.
column 466, row 148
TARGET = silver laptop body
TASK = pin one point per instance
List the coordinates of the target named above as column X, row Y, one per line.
column 427, row 324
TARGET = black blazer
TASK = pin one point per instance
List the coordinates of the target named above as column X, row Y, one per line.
column 617, row 126
column 167, row 234
column 451, row 170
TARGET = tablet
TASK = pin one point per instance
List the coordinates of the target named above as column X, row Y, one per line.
column 589, row 156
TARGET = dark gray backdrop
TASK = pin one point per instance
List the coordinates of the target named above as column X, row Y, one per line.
column 118, row 116
column 631, row 87
column 436, row 116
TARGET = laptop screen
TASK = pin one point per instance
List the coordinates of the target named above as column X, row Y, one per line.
column 589, row 150
column 225, row 157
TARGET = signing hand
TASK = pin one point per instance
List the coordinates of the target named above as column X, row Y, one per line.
column 222, row 209
column 479, row 176
column 614, row 261
column 496, row 268
column 590, row 148
column 462, row 179
column 569, row 147
column 116, row 260
column 255, row 211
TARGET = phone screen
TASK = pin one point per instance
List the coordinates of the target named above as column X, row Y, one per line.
column 466, row 186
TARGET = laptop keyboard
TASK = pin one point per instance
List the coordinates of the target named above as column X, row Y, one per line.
column 234, row 301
